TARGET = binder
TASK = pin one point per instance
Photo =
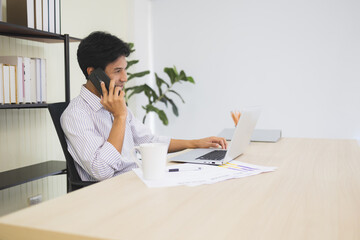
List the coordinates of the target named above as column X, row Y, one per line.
column 18, row 62
column 1, row 84
column 21, row 12
column 33, row 80
column 1, row 18
column 52, row 16
column 27, row 78
column 6, row 80
column 38, row 80
column 57, row 17
column 45, row 15
column 13, row 83
column 23, row 81
column 38, row 15
column 43, row 81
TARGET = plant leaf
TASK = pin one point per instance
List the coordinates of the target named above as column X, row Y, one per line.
column 190, row 79
column 130, row 63
column 171, row 73
column 151, row 94
column 144, row 118
column 131, row 46
column 174, row 107
column 178, row 95
column 164, row 100
column 135, row 90
column 137, row 75
column 175, row 71
column 182, row 75
column 185, row 78
column 160, row 81
column 160, row 113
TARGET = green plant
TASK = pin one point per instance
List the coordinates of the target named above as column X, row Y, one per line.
column 161, row 94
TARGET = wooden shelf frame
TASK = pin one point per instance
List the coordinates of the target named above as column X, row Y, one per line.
column 23, row 175
column 30, row 173
column 13, row 30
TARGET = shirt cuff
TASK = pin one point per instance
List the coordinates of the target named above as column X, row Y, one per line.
column 111, row 156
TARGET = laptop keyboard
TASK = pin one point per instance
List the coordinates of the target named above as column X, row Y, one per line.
column 214, row 155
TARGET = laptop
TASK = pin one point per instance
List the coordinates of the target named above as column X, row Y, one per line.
column 239, row 141
column 259, row 135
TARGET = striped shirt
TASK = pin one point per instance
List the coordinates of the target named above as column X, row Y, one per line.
column 87, row 124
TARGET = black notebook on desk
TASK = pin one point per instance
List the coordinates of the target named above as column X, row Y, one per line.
column 259, row 135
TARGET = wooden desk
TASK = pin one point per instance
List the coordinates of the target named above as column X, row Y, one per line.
column 314, row 194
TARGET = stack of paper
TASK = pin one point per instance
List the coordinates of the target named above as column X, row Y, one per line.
column 207, row 175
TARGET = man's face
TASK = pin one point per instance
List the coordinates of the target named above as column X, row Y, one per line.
column 116, row 70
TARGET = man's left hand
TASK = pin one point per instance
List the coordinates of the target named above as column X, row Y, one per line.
column 211, row 142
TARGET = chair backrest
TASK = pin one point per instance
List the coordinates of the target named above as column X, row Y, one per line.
column 73, row 178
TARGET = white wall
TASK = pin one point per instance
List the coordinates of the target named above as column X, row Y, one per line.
column 299, row 59
column 127, row 19
column 140, row 34
column 81, row 17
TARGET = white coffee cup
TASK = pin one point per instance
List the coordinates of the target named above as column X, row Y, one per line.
column 153, row 162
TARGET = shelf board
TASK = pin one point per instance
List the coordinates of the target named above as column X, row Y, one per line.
column 30, row 173
column 21, row 106
column 13, row 30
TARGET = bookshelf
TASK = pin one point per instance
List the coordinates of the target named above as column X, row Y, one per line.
column 13, row 30
column 16, row 31
column 33, row 172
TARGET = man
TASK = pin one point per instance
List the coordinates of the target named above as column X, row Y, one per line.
column 100, row 130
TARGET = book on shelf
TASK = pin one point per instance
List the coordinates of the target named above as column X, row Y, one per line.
column 13, row 84
column 38, row 15
column 23, row 80
column 42, row 15
column 52, row 16
column 21, row 12
column 57, row 17
column 27, row 97
column 6, row 83
column 1, row 85
column 45, row 15
column 32, row 80
column 1, row 19
column 43, row 80
column 18, row 62
column 38, row 80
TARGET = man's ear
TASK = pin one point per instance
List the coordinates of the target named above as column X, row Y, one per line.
column 89, row 70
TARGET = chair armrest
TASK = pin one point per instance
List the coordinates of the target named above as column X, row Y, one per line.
column 82, row 183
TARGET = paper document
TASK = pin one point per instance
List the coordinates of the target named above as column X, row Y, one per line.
column 207, row 174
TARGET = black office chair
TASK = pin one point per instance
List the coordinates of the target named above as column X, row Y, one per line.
column 74, row 181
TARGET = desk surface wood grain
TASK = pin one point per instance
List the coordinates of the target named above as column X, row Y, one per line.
column 314, row 194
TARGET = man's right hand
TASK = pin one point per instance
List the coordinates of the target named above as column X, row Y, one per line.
column 114, row 100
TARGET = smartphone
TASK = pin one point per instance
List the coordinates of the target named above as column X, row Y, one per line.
column 97, row 76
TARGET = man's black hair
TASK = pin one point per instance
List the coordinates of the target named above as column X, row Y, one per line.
column 99, row 49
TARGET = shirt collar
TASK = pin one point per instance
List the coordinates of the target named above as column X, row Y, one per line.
column 91, row 99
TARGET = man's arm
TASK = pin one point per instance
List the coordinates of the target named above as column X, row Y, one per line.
column 114, row 102
column 209, row 142
column 99, row 158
